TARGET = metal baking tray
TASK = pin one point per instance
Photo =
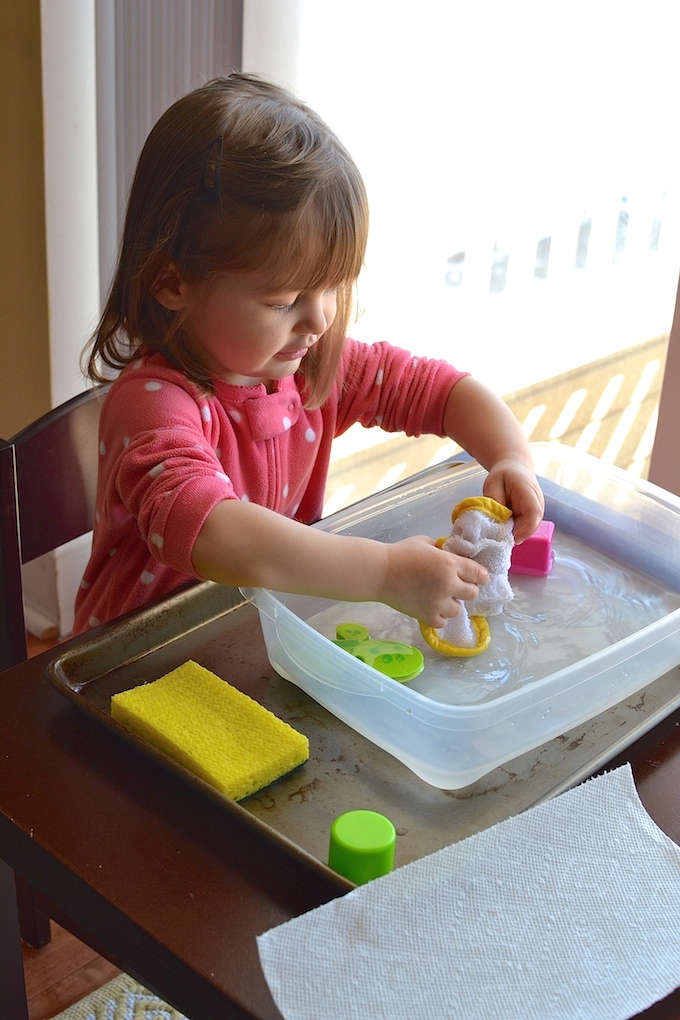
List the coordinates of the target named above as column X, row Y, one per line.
column 214, row 626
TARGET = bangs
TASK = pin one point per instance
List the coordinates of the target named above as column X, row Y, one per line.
column 312, row 248
column 320, row 243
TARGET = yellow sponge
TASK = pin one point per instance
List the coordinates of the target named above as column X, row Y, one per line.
column 215, row 731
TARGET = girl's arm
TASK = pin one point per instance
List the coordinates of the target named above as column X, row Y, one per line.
column 486, row 428
column 243, row 544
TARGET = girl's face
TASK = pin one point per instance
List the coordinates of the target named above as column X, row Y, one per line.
column 246, row 332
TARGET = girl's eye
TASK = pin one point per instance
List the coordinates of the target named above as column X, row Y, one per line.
column 289, row 307
column 285, row 306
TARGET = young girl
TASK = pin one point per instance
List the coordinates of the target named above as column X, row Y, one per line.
column 244, row 237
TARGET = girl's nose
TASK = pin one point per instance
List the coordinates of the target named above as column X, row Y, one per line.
column 316, row 313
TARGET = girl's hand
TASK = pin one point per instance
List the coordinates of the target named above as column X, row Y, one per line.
column 513, row 483
column 425, row 582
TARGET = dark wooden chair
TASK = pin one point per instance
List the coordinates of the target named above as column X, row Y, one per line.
column 48, row 480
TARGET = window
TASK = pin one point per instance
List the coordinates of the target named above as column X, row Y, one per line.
column 509, row 150
column 523, row 174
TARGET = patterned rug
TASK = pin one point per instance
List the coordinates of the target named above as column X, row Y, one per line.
column 123, row 998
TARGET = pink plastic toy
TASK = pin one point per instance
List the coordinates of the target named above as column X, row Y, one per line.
column 535, row 554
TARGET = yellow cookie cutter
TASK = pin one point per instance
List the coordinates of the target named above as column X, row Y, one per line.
column 481, row 628
column 489, row 506
column 497, row 512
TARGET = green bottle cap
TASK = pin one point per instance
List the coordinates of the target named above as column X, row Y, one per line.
column 362, row 846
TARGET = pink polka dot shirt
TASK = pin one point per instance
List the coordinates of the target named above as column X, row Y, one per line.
column 169, row 452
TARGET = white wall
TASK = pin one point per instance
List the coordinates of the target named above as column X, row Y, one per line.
column 72, row 234
column 71, row 203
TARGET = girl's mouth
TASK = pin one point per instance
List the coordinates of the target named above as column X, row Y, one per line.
column 293, row 355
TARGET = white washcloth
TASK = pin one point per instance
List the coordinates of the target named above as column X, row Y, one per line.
column 489, row 542
column 569, row 910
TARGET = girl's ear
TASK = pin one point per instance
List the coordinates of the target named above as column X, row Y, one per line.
column 170, row 289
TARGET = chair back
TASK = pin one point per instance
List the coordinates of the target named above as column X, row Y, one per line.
column 56, row 464
column 12, row 626
column 48, row 483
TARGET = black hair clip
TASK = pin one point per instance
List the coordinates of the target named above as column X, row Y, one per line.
column 210, row 192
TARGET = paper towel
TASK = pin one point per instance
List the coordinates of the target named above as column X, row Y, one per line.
column 569, row 910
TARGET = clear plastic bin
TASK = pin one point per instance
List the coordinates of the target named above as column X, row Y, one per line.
column 603, row 624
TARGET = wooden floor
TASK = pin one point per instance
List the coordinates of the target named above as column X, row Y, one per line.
column 62, row 973
column 65, row 971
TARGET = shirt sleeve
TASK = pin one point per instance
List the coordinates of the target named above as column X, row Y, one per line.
column 386, row 386
column 161, row 468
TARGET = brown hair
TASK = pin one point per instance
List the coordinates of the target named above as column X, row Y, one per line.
column 237, row 175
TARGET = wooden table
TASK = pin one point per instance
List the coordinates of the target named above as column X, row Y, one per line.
column 133, row 862
column 161, row 880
